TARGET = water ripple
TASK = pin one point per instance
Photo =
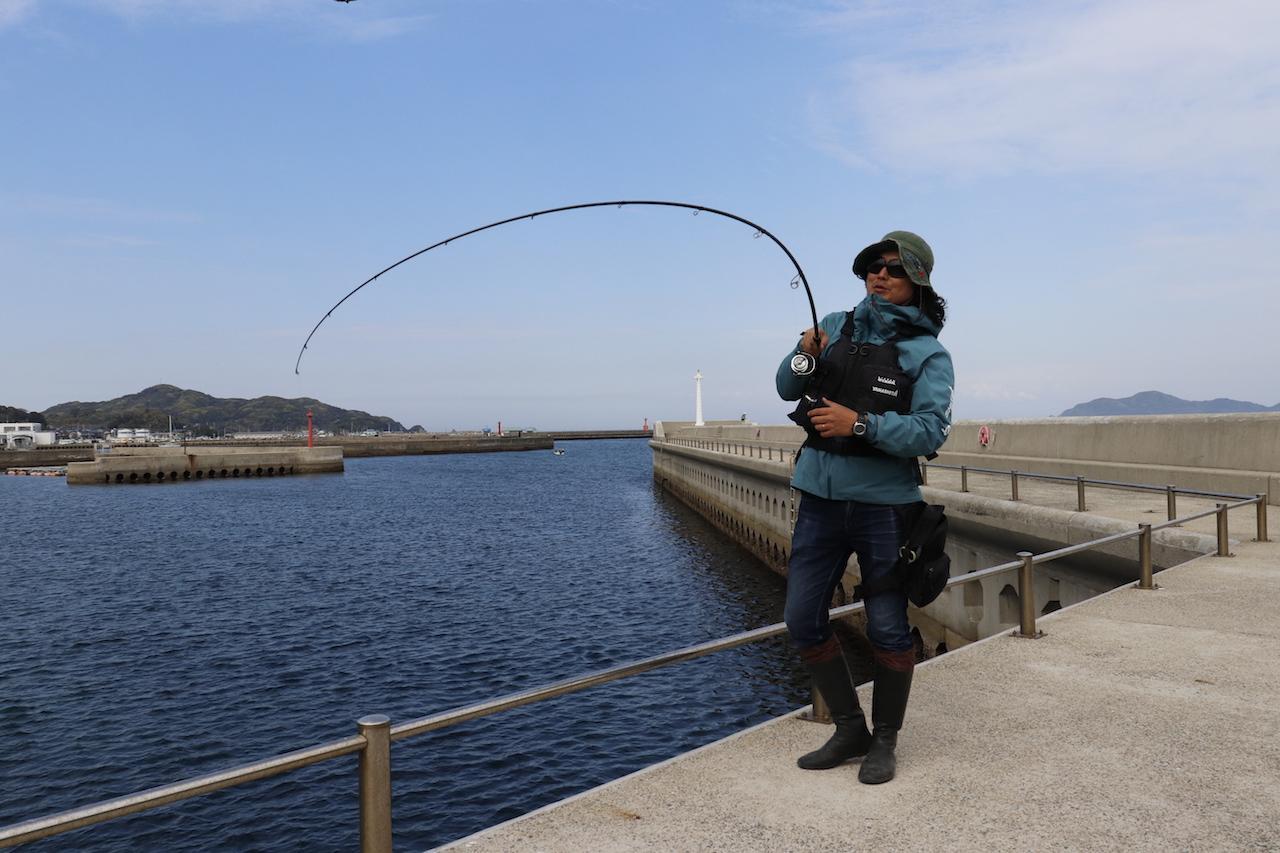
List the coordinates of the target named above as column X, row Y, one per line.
column 158, row 632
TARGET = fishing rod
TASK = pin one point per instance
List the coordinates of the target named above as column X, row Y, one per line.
column 796, row 281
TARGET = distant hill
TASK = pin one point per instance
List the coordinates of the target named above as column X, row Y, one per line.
column 1157, row 403
column 11, row 415
column 204, row 414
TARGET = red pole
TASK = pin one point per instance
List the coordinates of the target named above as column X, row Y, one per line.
column 644, row 428
column 311, row 431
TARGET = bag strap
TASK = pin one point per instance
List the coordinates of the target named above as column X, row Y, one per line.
column 915, row 466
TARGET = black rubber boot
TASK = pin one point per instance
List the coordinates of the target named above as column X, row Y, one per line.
column 893, row 671
column 834, row 681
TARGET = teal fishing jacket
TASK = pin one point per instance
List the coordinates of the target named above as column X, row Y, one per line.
column 882, row 479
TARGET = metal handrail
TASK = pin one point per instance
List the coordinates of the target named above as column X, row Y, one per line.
column 152, row 798
column 376, row 735
column 1113, row 484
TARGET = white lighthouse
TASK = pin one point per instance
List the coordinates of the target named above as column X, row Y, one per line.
column 697, row 396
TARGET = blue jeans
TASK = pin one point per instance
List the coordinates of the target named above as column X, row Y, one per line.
column 826, row 533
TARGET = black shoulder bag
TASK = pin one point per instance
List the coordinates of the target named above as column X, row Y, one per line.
column 923, row 567
column 923, row 563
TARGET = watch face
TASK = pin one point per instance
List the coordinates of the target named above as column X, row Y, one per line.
column 859, row 428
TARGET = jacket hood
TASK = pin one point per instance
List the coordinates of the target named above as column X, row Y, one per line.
column 883, row 319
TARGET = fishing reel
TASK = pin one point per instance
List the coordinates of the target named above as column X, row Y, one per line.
column 803, row 364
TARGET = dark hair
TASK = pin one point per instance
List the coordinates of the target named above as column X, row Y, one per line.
column 933, row 305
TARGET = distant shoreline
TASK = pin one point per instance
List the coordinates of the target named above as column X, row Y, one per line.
column 352, row 446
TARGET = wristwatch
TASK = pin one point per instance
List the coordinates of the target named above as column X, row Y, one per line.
column 859, row 426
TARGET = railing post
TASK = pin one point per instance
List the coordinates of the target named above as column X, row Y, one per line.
column 1172, row 500
column 821, row 711
column 924, row 473
column 1013, row 483
column 375, row 784
column 1262, row 518
column 1027, row 594
column 1080, row 507
column 1224, row 549
column 964, row 478
column 1144, row 558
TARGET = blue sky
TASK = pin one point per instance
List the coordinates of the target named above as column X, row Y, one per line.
column 186, row 187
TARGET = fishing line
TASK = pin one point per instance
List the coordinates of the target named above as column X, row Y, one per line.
column 796, row 282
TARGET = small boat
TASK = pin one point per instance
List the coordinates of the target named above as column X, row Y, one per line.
column 558, row 451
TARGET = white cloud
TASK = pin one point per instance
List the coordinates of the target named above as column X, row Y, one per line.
column 13, row 12
column 1138, row 85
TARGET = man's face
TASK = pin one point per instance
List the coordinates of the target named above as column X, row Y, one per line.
column 883, row 283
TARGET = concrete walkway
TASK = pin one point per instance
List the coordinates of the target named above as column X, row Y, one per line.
column 1141, row 720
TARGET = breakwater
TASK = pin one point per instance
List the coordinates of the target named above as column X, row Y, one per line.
column 589, row 434
column 398, row 444
column 386, row 445
column 351, row 446
column 738, row 477
column 177, row 464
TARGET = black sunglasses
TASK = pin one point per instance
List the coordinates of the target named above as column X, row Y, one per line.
column 896, row 269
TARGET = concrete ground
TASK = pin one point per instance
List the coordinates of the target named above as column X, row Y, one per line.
column 1140, row 721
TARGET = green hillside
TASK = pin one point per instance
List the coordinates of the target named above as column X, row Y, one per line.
column 204, row 414
column 11, row 415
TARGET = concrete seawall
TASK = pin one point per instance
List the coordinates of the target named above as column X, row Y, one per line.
column 176, row 464
column 585, row 435
column 399, row 444
column 38, row 456
column 1235, row 453
column 353, row 447
column 738, row 477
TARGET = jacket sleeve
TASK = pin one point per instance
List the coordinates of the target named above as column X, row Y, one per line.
column 790, row 386
column 922, row 430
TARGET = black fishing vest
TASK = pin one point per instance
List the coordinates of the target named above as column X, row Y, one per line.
column 864, row 377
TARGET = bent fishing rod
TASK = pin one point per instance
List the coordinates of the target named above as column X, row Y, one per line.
column 798, row 280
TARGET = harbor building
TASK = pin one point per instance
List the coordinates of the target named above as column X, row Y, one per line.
column 22, row 436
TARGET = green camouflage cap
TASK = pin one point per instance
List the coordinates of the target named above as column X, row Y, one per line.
column 916, row 256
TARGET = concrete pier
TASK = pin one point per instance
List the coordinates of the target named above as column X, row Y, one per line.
column 179, row 464
column 1142, row 720
column 738, row 478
